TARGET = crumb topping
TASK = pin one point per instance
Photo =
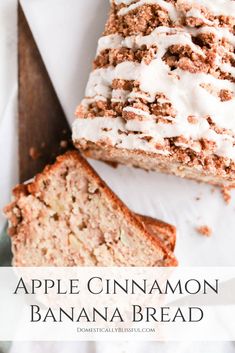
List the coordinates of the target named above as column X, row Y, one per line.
column 226, row 194
column 205, row 231
column 164, row 78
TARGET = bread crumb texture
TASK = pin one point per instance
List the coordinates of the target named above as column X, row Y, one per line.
column 204, row 230
column 68, row 217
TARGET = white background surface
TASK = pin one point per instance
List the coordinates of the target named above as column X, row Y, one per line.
column 66, row 32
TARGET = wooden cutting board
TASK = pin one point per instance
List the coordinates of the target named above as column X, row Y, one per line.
column 42, row 123
column 43, row 129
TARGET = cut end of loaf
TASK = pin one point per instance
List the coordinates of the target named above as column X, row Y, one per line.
column 163, row 164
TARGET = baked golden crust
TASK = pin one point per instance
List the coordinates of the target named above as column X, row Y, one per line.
column 166, row 232
column 215, row 174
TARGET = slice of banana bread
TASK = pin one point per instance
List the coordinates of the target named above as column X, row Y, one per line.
column 69, row 217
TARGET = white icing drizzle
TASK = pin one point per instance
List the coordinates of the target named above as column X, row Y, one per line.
column 216, row 7
column 228, row 68
column 108, row 129
column 219, row 32
column 120, row 95
column 139, row 112
column 198, row 14
column 94, row 130
column 186, row 95
column 162, row 36
column 183, row 89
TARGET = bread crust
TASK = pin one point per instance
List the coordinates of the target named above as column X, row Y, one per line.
column 167, row 231
column 156, row 162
